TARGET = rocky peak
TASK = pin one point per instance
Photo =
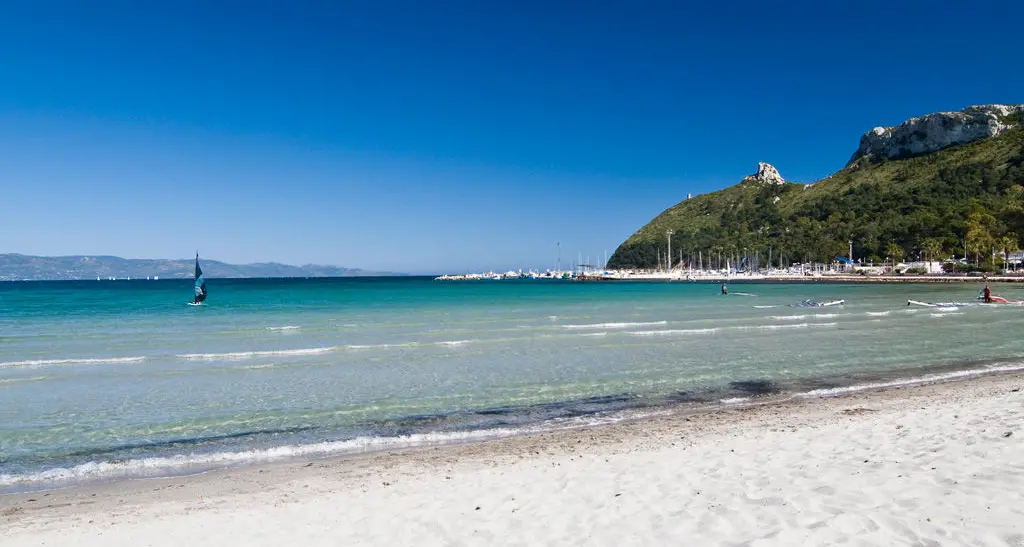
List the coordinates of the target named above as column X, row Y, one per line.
column 766, row 174
column 933, row 132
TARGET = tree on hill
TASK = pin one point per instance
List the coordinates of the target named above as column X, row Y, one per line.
column 980, row 228
column 932, row 248
column 894, row 252
column 971, row 193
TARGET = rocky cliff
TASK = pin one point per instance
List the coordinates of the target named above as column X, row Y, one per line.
column 909, row 192
column 933, row 132
column 766, row 174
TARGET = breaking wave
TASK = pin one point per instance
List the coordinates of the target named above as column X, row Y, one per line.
column 251, row 354
column 615, row 325
column 72, row 361
column 912, row 381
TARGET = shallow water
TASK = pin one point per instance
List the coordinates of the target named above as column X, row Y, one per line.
column 122, row 378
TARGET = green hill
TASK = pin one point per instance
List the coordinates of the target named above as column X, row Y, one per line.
column 929, row 204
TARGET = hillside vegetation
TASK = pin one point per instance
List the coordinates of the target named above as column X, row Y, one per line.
column 930, row 205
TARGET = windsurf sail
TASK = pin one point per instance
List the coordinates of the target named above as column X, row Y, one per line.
column 200, row 286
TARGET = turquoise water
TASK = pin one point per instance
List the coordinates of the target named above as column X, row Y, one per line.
column 122, row 378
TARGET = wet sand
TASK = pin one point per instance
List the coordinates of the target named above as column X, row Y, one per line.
column 935, row 464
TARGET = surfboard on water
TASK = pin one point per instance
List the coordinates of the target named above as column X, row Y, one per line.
column 818, row 303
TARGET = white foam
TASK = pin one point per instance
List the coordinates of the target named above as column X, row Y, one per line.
column 71, row 361
column 593, row 334
column 948, row 308
column 672, row 332
column 186, row 463
column 775, row 327
column 912, row 381
column 734, row 400
column 454, row 342
column 251, row 354
column 380, row 346
column 286, row 327
column 825, row 315
column 878, row 313
column 764, row 307
column 181, row 462
column 615, row 325
column 4, row 381
column 945, row 314
column 788, row 317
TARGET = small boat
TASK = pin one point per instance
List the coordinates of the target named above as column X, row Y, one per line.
column 200, row 285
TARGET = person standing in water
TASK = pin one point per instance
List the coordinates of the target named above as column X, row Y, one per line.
column 725, row 289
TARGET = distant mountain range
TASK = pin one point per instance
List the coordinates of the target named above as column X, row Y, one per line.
column 24, row 267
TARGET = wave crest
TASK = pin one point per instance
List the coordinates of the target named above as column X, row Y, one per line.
column 250, row 354
column 73, row 361
column 615, row 325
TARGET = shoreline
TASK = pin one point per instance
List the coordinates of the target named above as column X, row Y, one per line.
column 676, row 277
column 442, row 482
column 564, row 415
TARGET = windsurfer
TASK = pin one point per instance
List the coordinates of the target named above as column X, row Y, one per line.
column 986, row 294
column 725, row 290
column 200, row 286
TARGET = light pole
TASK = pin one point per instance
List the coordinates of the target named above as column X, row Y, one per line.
column 668, row 261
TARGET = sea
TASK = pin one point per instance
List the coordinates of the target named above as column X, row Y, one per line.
column 104, row 380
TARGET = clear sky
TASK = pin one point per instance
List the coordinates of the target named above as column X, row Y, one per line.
column 443, row 136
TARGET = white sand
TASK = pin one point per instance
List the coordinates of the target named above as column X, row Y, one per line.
column 927, row 465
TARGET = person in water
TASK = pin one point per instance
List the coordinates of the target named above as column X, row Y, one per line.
column 986, row 294
column 725, row 290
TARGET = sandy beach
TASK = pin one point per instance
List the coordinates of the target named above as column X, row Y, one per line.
column 939, row 464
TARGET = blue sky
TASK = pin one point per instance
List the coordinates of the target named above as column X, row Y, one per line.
column 447, row 135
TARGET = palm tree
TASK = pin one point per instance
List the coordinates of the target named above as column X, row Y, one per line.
column 895, row 252
column 979, row 233
column 1009, row 245
column 932, row 248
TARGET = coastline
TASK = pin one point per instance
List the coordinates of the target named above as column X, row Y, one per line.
column 898, row 464
column 895, row 279
column 708, row 277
